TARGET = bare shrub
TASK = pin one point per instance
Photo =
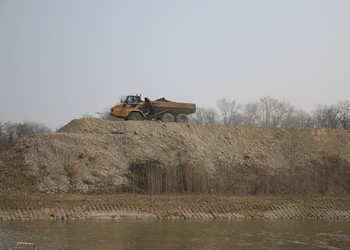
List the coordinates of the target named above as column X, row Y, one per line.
column 150, row 177
column 207, row 116
column 329, row 176
column 104, row 114
column 146, row 176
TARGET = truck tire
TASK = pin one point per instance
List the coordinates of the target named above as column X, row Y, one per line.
column 135, row 116
column 181, row 118
column 167, row 117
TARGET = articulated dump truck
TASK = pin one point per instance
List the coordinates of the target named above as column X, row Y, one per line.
column 134, row 108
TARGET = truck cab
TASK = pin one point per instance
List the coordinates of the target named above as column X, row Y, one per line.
column 131, row 104
column 132, row 99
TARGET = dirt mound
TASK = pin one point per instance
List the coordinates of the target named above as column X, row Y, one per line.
column 98, row 156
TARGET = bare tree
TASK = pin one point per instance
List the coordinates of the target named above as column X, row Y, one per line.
column 28, row 127
column 207, row 116
column 343, row 108
column 274, row 113
column 229, row 111
column 10, row 130
column 333, row 116
column 326, row 116
column 300, row 119
column 250, row 114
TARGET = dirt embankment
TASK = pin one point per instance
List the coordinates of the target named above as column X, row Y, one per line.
column 96, row 156
column 190, row 171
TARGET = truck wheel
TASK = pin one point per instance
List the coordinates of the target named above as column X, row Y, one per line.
column 135, row 116
column 181, row 118
column 167, row 117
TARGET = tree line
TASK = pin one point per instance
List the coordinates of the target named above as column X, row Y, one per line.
column 271, row 112
column 10, row 132
column 267, row 112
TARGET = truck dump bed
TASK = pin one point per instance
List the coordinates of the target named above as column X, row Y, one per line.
column 160, row 107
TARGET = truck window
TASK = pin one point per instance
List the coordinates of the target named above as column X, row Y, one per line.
column 132, row 99
column 129, row 99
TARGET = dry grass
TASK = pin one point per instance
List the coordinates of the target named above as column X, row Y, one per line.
column 15, row 176
column 329, row 176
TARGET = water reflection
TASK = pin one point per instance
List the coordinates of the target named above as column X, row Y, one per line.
column 237, row 234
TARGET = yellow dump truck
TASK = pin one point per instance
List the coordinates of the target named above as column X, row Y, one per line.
column 134, row 108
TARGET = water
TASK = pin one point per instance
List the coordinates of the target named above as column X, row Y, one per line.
column 236, row 234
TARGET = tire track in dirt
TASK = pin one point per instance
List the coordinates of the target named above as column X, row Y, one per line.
column 179, row 207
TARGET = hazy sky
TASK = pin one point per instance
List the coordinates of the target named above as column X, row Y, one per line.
column 61, row 59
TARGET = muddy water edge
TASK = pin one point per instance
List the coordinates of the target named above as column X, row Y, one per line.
column 178, row 234
column 127, row 221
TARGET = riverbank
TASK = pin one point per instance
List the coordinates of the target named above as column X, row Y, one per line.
column 192, row 207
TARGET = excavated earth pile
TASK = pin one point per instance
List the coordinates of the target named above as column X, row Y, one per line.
column 95, row 156
column 99, row 169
